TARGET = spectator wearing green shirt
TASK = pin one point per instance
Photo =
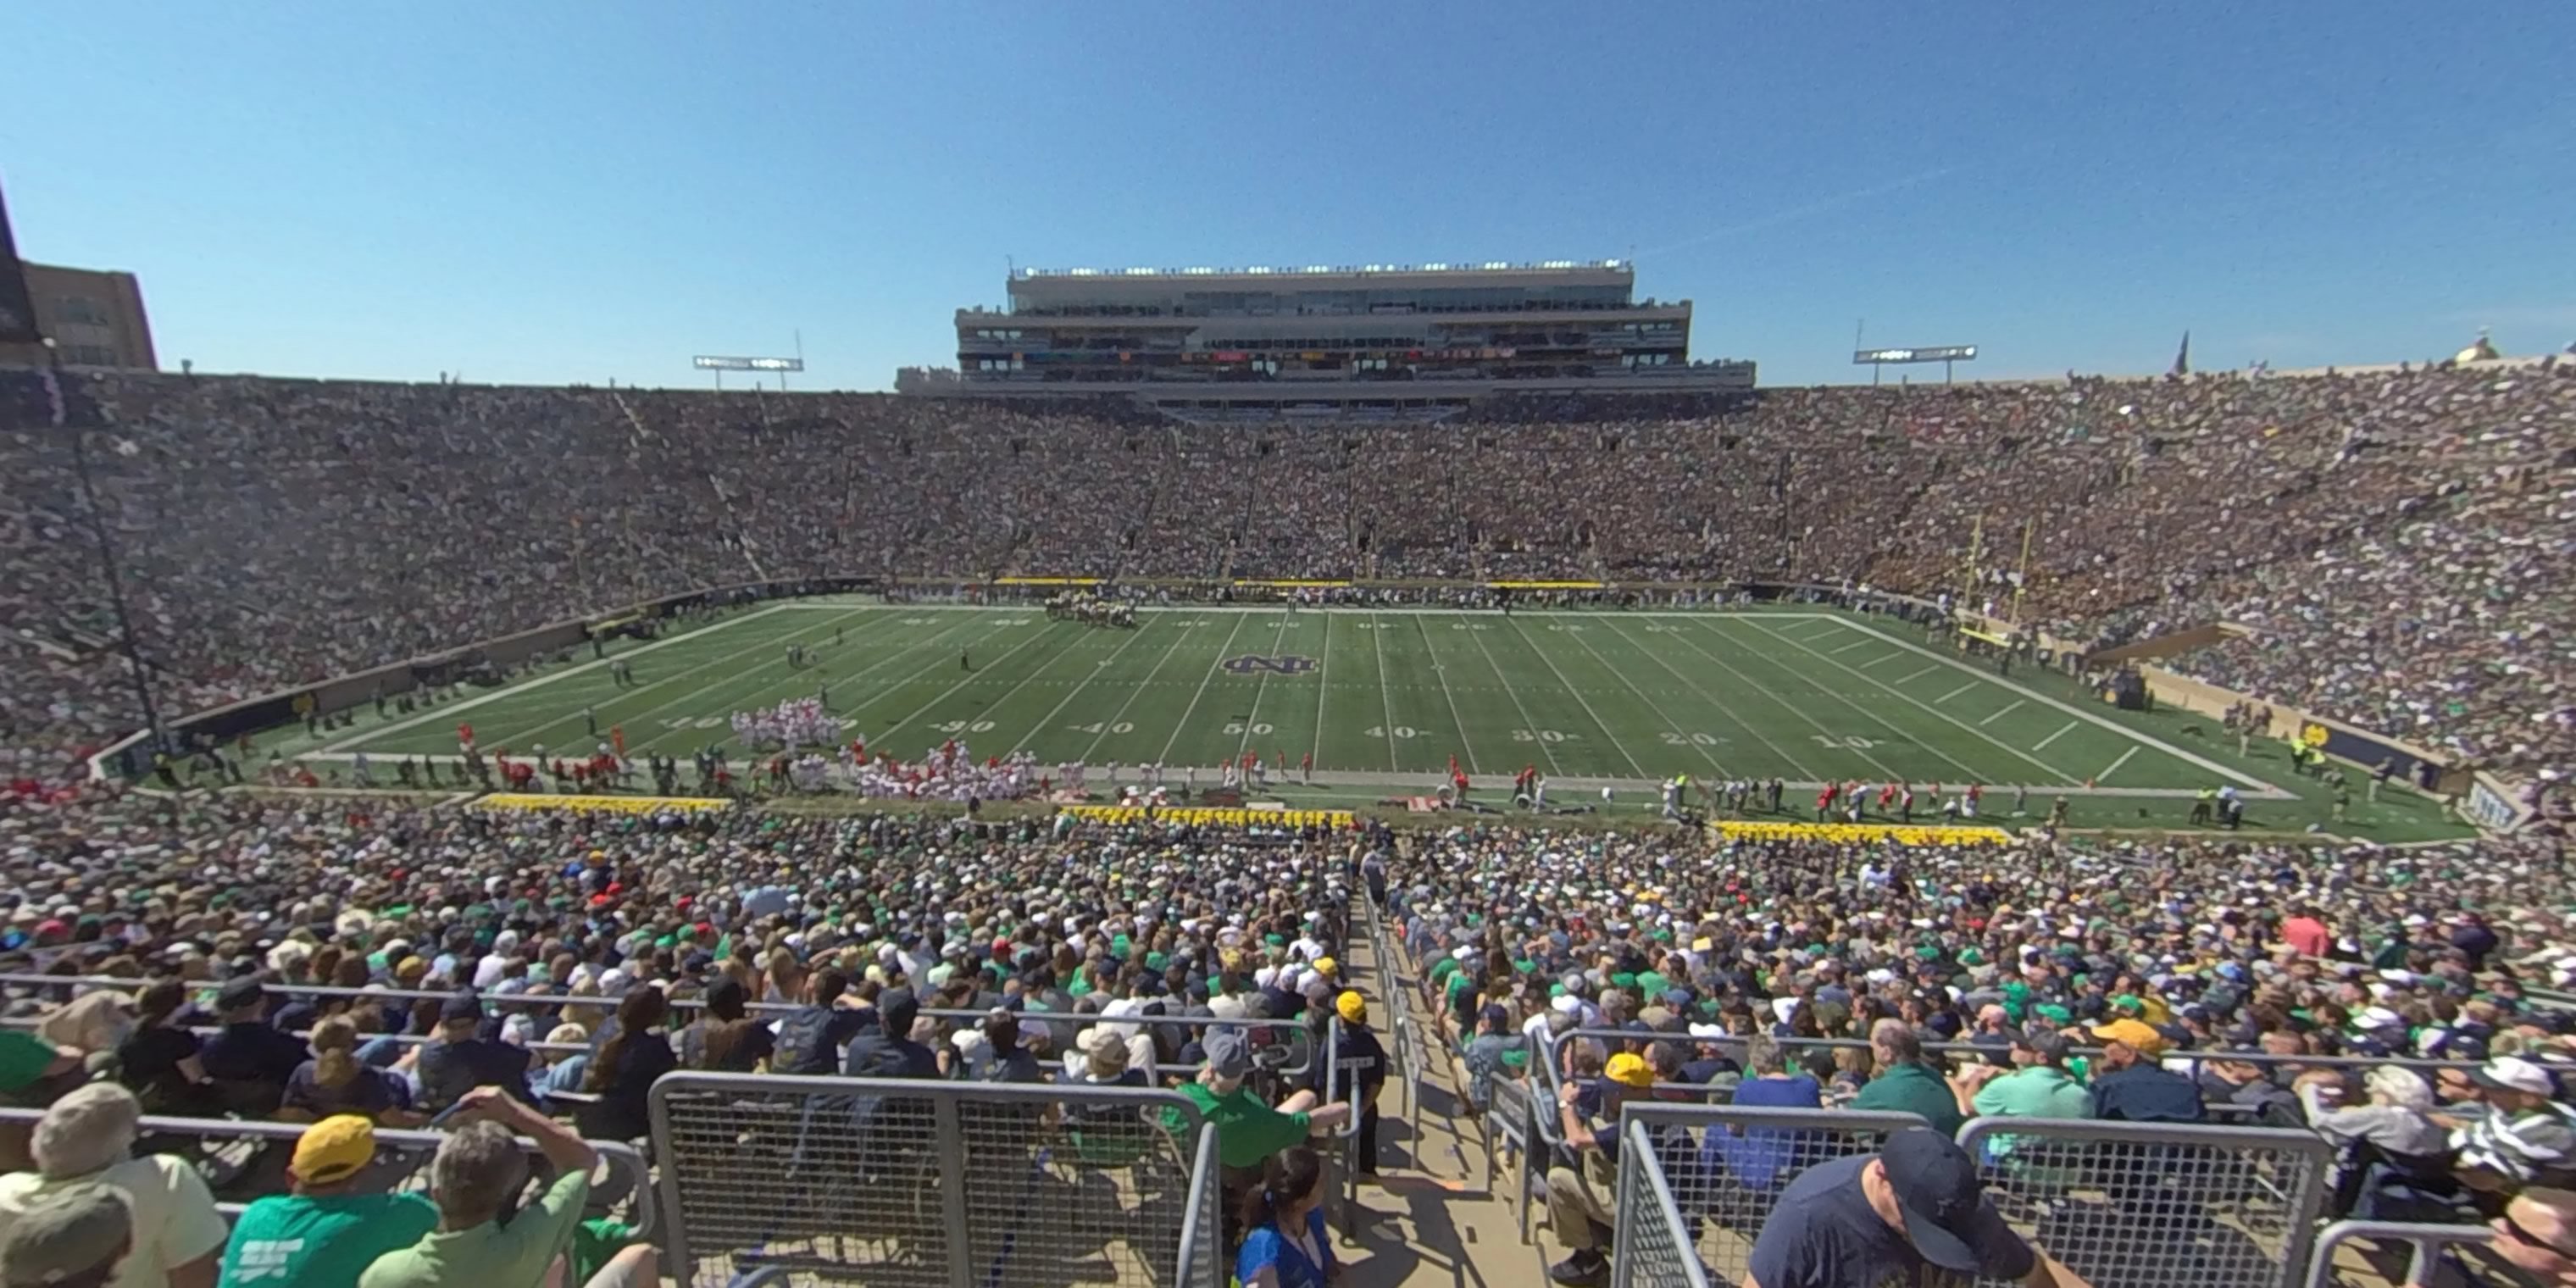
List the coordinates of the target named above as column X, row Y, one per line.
column 477, row 1171
column 1905, row 1084
column 2037, row 1087
column 1248, row 1131
column 324, row 1233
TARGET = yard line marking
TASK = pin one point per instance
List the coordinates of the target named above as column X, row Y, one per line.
column 689, row 693
column 1999, row 715
column 1460, row 725
column 1956, row 692
column 1260, row 685
column 702, row 693
column 2187, row 757
column 1323, row 662
column 971, row 677
column 2043, row 743
column 1579, row 699
column 1651, row 705
column 1179, row 633
column 1385, row 699
column 2057, row 774
column 1720, row 703
column 443, row 712
column 1849, row 647
column 1883, row 657
column 1079, row 686
column 2115, row 765
column 1192, row 708
column 1909, row 679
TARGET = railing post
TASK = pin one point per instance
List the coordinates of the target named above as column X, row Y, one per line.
column 950, row 1147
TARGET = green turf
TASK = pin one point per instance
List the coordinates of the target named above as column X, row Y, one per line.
column 1383, row 699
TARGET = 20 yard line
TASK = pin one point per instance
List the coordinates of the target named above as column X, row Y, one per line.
column 1963, row 725
column 1651, row 705
column 2124, row 759
column 1714, row 700
column 1192, row 709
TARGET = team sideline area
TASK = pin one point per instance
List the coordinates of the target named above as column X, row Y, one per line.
column 1351, row 706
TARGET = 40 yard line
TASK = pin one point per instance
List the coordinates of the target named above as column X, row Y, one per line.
column 1186, row 712
column 1443, row 675
column 1179, row 633
column 1385, row 700
column 1079, row 686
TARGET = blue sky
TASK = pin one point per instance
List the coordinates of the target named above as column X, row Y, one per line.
column 549, row 192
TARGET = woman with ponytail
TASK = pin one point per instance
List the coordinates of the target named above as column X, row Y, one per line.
column 623, row 1073
column 1284, row 1244
column 335, row 1081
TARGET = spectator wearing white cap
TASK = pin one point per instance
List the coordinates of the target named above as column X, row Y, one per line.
column 2525, row 1138
column 86, row 1139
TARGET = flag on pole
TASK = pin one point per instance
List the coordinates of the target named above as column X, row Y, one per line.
column 2182, row 356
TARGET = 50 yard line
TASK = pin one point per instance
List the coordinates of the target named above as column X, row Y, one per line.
column 1385, row 700
column 1192, row 708
column 1260, row 685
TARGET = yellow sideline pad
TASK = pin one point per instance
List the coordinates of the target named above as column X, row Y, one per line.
column 520, row 801
column 1899, row 833
column 1216, row 817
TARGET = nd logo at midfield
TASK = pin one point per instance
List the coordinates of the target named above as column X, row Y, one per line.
column 1254, row 663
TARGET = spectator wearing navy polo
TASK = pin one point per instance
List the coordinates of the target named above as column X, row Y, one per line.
column 1913, row 1207
column 249, row 1056
column 457, row 1059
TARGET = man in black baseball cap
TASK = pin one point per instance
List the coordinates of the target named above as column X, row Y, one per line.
column 1885, row 1217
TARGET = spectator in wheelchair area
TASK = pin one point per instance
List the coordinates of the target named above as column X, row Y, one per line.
column 1284, row 1241
column 77, row 1239
column 1916, row 1205
column 475, row 1179
column 328, row 1228
column 85, row 1141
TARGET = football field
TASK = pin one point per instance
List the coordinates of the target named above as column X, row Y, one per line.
column 1380, row 699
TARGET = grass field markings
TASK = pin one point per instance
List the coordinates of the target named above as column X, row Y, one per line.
column 1912, row 676
column 1956, row 692
column 1385, row 699
column 1323, row 662
column 1468, row 745
column 1862, row 711
column 763, row 685
column 2063, row 708
column 1165, row 757
column 1848, row 647
column 2055, row 774
column 1713, row 699
column 1883, row 657
column 2115, row 766
column 689, row 694
column 971, row 677
column 2070, row 725
column 1603, row 725
column 1260, row 685
column 2000, row 714
column 443, row 712
column 1676, row 730
column 1080, row 687
column 1544, row 746
column 1178, row 633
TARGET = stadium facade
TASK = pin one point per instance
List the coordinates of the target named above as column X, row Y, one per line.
column 1402, row 340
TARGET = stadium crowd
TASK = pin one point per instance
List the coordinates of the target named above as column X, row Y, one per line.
column 2383, row 536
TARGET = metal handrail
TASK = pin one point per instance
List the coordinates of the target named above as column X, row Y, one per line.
column 1649, row 1176
column 2423, row 1242
column 1206, row 1191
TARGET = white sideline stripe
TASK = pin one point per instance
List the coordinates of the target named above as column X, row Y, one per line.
column 2055, row 736
column 1909, row 679
column 2189, row 758
column 2000, row 714
column 513, row 690
column 1849, row 647
column 2124, row 759
column 1956, row 692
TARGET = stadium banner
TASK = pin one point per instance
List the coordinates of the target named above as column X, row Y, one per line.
column 17, row 307
column 1900, row 833
column 529, row 802
column 1287, row 582
column 1544, row 585
column 1213, row 817
column 2491, row 804
column 1046, row 581
column 2366, row 751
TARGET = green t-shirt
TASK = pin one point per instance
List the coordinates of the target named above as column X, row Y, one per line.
column 1913, row 1089
column 324, row 1241
column 1247, row 1131
column 23, row 1059
column 490, row 1255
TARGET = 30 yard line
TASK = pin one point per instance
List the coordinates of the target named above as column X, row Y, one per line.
column 1192, row 709
column 1179, row 633
column 2000, row 714
column 1514, row 693
column 2043, row 743
column 1712, row 699
column 971, row 677
column 2115, row 765
column 1651, row 705
column 1442, row 675
column 1580, row 700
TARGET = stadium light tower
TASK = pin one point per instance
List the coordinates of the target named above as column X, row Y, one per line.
column 79, row 435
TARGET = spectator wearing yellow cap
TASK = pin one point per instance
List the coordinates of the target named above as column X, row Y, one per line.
column 324, row 1230
column 1582, row 1199
column 2132, row 1086
column 1359, row 1068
